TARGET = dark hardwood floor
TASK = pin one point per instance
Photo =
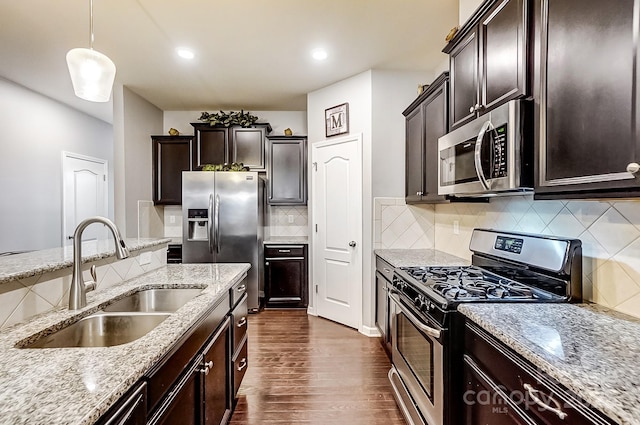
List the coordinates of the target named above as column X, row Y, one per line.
column 308, row 370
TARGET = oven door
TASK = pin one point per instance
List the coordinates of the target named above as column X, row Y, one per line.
column 417, row 357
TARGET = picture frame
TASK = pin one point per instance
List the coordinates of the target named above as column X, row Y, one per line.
column 336, row 120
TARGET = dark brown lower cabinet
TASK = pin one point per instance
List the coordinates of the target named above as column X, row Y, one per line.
column 130, row 410
column 182, row 404
column 286, row 276
column 502, row 388
column 215, row 377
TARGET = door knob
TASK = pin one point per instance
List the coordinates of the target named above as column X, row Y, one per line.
column 352, row 244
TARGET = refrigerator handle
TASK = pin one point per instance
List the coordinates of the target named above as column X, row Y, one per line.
column 217, row 223
column 210, row 223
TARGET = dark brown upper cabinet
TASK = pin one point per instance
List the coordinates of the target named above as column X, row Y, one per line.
column 287, row 170
column 587, row 114
column 220, row 145
column 171, row 156
column 489, row 59
column 426, row 121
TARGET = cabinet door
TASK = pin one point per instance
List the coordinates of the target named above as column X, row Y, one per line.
column 286, row 282
column 287, row 171
column 503, row 53
column 240, row 364
column 183, row 404
column 463, row 61
column 215, row 373
column 588, row 94
column 436, row 121
column 211, row 145
column 171, row 156
column 414, row 140
column 248, row 147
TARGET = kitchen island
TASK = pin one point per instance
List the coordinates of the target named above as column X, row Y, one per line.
column 78, row 385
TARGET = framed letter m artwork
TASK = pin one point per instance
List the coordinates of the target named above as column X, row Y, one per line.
column 337, row 120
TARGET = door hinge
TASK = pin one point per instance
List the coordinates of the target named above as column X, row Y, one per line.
column 315, row 166
column 316, row 228
column 316, row 289
column 104, row 177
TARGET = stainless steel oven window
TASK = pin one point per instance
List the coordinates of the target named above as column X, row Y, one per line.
column 417, row 352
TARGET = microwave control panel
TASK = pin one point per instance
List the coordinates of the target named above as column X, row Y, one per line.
column 499, row 152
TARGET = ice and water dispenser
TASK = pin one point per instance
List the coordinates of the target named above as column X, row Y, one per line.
column 198, row 221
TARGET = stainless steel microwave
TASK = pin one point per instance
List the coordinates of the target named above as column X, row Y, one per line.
column 491, row 155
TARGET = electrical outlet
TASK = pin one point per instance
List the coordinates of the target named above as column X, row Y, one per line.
column 172, row 219
column 290, row 218
column 145, row 258
column 456, row 227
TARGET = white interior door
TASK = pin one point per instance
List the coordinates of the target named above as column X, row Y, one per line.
column 337, row 239
column 84, row 194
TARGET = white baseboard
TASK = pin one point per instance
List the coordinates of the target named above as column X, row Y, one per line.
column 370, row 331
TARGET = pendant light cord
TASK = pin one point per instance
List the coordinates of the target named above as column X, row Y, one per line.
column 91, row 24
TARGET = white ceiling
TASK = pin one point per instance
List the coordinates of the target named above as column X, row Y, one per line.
column 251, row 54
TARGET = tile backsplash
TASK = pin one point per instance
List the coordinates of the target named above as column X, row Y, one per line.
column 287, row 221
column 609, row 230
column 24, row 298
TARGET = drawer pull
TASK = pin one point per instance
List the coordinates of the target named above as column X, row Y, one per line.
column 284, row 251
column 533, row 394
column 241, row 288
column 386, row 270
column 242, row 321
column 243, row 364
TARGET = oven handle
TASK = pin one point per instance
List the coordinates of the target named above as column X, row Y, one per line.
column 476, row 157
column 435, row 333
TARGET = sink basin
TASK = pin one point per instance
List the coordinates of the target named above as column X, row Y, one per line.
column 101, row 330
column 155, row 300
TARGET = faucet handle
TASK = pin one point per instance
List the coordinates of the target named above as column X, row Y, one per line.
column 91, row 285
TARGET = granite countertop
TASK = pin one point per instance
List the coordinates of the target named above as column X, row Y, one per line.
column 77, row 385
column 419, row 257
column 286, row 240
column 590, row 349
column 27, row 264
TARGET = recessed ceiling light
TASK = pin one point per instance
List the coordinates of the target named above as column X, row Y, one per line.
column 185, row 53
column 319, row 54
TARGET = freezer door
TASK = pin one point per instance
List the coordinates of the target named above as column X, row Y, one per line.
column 197, row 216
column 236, row 224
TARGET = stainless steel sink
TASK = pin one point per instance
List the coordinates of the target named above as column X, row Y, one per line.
column 101, row 330
column 155, row 300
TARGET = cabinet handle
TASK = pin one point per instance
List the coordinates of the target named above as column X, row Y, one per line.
column 284, row 250
column 243, row 364
column 475, row 108
column 418, row 193
column 207, row 366
column 242, row 322
column 241, row 288
column 633, row 167
column 386, row 270
column 533, row 394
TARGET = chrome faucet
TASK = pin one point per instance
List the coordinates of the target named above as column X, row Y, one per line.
column 79, row 288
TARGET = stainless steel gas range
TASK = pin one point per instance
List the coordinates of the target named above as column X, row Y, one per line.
column 426, row 330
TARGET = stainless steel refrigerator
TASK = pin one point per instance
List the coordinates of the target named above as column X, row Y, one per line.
column 222, row 222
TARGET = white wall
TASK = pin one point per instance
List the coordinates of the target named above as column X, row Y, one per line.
column 466, row 9
column 135, row 120
column 392, row 92
column 279, row 120
column 34, row 130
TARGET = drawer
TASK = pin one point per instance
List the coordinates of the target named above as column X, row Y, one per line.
column 239, row 316
column 240, row 364
column 237, row 291
column 271, row 251
column 527, row 387
column 384, row 268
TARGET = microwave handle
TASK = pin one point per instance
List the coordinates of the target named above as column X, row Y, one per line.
column 483, row 180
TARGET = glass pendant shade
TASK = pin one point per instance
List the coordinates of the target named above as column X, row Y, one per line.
column 92, row 74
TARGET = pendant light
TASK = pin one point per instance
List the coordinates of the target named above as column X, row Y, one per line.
column 92, row 73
